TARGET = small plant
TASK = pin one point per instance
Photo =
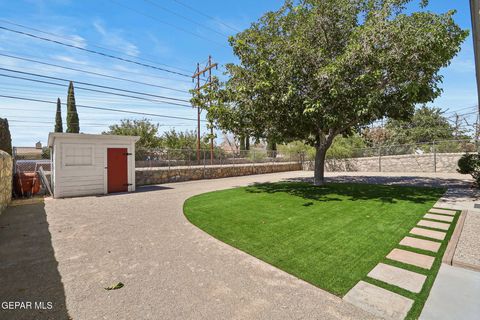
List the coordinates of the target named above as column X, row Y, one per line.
column 470, row 164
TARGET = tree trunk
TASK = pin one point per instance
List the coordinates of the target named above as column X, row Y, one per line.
column 319, row 169
column 242, row 143
column 247, row 142
column 324, row 142
column 272, row 148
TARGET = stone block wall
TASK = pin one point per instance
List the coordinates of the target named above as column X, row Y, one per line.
column 440, row 162
column 149, row 176
column 6, row 167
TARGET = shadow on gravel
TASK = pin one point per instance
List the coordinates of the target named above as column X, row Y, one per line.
column 28, row 268
column 151, row 188
column 350, row 192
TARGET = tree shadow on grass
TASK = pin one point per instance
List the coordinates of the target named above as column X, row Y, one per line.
column 350, row 192
column 28, row 268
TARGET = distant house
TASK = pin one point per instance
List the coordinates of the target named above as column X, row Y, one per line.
column 28, row 153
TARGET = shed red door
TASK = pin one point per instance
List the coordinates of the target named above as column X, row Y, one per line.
column 117, row 170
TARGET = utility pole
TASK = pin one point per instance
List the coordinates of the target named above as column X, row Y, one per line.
column 475, row 10
column 199, row 87
column 196, row 76
column 209, row 104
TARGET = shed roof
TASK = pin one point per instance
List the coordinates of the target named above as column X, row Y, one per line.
column 83, row 136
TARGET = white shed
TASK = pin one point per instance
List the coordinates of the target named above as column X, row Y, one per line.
column 91, row 164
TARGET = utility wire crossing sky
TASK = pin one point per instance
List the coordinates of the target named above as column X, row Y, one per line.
column 135, row 60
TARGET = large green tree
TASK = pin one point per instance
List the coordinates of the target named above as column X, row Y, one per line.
column 58, row 117
column 5, row 137
column 173, row 139
column 316, row 69
column 73, row 123
column 144, row 128
column 426, row 125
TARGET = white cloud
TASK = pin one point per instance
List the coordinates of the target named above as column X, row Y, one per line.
column 113, row 39
column 69, row 59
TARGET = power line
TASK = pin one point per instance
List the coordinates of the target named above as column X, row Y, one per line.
column 465, row 108
column 101, row 108
column 95, row 90
column 44, row 92
column 94, row 85
column 206, row 15
column 53, row 122
column 90, row 44
column 166, row 23
column 93, row 51
column 95, row 73
column 52, row 118
column 185, row 18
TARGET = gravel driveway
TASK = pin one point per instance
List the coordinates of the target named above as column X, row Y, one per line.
column 68, row 250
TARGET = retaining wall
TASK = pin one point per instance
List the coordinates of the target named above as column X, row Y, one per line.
column 6, row 167
column 429, row 162
column 149, row 176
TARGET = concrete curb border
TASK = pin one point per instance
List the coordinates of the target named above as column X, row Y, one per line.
column 452, row 244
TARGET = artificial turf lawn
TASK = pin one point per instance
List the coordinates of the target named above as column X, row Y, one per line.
column 330, row 236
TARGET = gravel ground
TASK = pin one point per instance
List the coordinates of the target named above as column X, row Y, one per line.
column 467, row 252
column 67, row 251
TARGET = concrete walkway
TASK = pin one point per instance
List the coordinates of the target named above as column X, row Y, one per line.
column 454, row 295
column 67, row 251
column 170, row 268
column 455, row 292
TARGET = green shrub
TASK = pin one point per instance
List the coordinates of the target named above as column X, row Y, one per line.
column 470, row 164
column 295, row 150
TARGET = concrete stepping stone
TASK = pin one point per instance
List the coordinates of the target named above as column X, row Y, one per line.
column 408, row 257
column 421, row 244
column 442, row 211
column 402, row 278
column 438, row 235
column 378, row 301
column 432, row 224
column 438, row 217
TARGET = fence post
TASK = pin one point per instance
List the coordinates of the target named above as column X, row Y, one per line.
column 380, row 159
column 434, row 157
column 234, row 169
column 168, row 159
column 204, row 163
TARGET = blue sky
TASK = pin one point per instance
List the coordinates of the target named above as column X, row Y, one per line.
column 164, row 32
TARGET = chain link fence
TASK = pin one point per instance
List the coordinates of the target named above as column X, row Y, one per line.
column 26, row 170
column 190, row 158
column 435, row 156
column 434, row 147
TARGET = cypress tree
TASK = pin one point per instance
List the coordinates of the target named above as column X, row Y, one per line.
column 5, row 137
column 58, row 117
column 73, row 125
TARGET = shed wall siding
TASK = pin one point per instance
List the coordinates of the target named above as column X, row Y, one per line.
column 83, row 180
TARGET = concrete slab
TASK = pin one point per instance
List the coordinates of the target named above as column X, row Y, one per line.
column 443, row 211
column 67, row 252
column 454, row 295
column 467, row 252
column 379, row 301
column 408, row 257
column 459, row 198
column 435, row 225
column 438, row 217
column 438, row 235
column 402, row 278
column 421, row 244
